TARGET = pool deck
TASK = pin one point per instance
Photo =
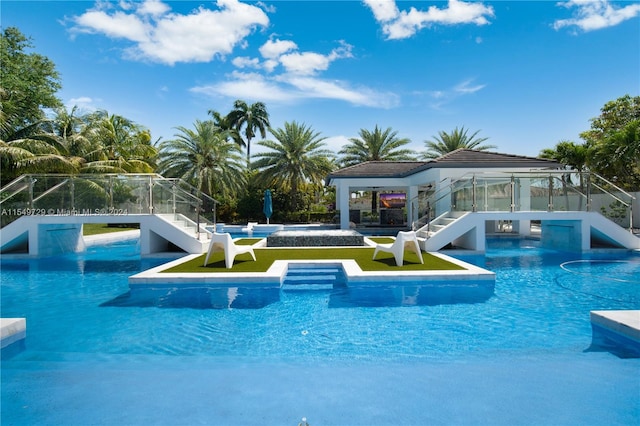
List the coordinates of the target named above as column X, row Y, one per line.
column 275, row 275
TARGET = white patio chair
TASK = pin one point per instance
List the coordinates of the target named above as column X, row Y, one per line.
column 404, row 240
column 224, row 242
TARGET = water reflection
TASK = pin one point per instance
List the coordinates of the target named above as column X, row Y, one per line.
column 339, row 296
column 197, row 298
column 437, row 293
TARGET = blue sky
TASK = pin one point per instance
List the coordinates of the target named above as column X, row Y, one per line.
column 526, row 74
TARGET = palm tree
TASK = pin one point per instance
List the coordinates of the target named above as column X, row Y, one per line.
column 224, row 123
column 375, row 146
column 205, row 158
column 252, row 117
column 573, row 155
column 295, row 161
column 449, row 142
column 568, row 153
column 31, row 149
column 30, row 155
column 117, row 144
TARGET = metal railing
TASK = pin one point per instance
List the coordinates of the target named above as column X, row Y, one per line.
column 105, row 194
column 526, row 191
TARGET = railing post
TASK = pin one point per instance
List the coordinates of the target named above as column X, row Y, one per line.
column 32, row 181
column 588, row 191
column 150, row 195
column 198, row 207
column 486, row 196
column 474, row 205
column 513, row 194
column 111, row 192
column 215, row 217
column 173, row 199
column 550, row 203
column 72, row 187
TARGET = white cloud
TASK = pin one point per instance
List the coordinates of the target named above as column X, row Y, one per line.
column 297, row 80
column 304, row 62
column 324, row 89
column 117, row 25
column 82, row 100
column 336, row 143
column 161, row 36
column 252, row 86
column 244, row 62
column 441, row 98
column 383, row 10
column 84, row 103
column 292, row 88
column 272, row 49
column 590, row 15
column 276, row 52
column 398, row 24
column 466, row 88
column 153, row 8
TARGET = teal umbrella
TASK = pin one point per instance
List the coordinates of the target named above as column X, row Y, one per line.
column 267, row 209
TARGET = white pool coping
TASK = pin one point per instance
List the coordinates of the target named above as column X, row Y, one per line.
column 625, row 323
column 12, row 330
column 274, row 276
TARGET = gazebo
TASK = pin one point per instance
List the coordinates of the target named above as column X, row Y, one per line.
column 399, row 183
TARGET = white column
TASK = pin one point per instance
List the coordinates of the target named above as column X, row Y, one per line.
column 412, row 195
column 342, row 200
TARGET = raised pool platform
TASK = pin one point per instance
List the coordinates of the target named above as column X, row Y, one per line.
column 317, row 238
column 12, row 330
column 471, row 275
column 617, row 328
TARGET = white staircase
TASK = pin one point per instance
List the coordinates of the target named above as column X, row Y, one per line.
column 445, row 229
column 566, row 229
column 183, row 233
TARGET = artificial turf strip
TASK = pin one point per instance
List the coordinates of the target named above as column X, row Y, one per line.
column 247, row 241
column 363, row 256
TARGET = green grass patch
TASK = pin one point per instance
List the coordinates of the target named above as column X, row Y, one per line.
column 105, row 228
column 363, row 256
column 382, row 240
column 247, row 241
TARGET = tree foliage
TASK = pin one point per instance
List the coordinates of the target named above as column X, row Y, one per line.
column 204, row 157
column 29, row 81
column 445, row 143
column 376, row 145
column 251, row 118
column 296, row 162
column 614, row 116
column 611, row 147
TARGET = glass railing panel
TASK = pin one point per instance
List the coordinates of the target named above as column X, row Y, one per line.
column 565, row 196
column 103, row 194
column 51, row 194
column 208, row 205
column 611, row 201
column 494, row 194
column 170, row 198
column 538, row 193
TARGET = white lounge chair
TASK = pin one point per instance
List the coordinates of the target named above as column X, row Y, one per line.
column 404, row 240
column 224, row 242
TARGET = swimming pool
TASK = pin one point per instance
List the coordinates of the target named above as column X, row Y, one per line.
column 97, row 354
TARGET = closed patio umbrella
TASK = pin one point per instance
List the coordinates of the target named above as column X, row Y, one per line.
column 267, row 209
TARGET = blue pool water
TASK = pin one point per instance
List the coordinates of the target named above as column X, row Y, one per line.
column 97, row 353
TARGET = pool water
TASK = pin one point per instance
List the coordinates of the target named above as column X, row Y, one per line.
column 98, row 353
